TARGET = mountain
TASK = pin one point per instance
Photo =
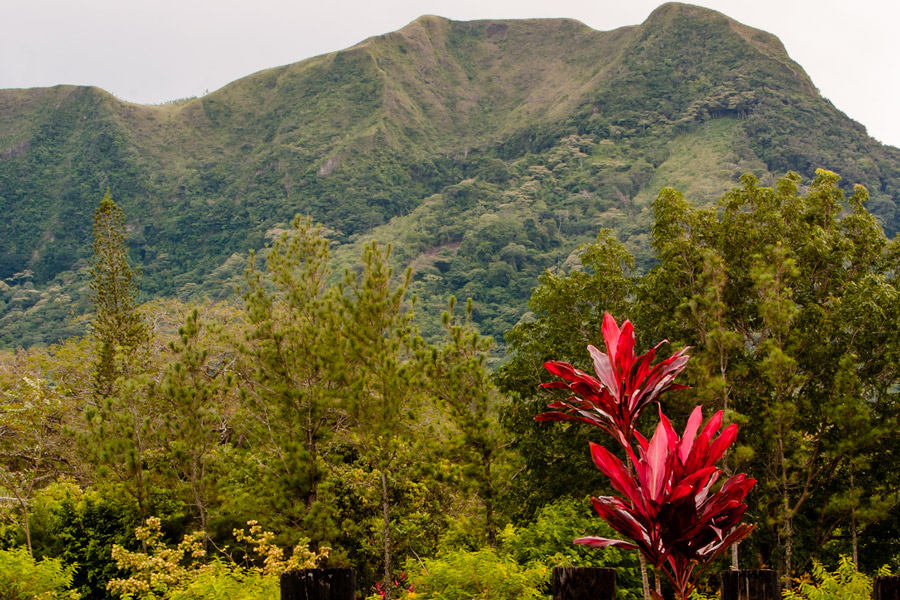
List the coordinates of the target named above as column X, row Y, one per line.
column 484, row 151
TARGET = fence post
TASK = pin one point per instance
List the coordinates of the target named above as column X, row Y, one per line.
column 584, row 583
column 749, row 584
column 318, row 584
column 886, row 588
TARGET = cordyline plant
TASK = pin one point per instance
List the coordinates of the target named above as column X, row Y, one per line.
column 624, row 386
column 671, row 509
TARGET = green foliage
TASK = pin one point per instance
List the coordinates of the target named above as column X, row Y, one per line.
column 226, row 582
column 117, row 325
column 80, row 528
column 192, row 392
column 23, row 578
column 456, row 374
column 568, row 309
column 767, row 290
column 547, row 540
column 290, row 403
column 844, row 583
column 478, row 575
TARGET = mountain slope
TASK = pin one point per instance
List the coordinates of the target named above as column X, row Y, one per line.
column 485, row 150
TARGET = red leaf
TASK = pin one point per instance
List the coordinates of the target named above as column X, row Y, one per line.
column 690, row 432
column 599, row 542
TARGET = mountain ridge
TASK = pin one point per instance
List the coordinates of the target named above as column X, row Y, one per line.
column 541, row 130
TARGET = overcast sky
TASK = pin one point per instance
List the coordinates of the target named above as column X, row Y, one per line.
column 153, row 51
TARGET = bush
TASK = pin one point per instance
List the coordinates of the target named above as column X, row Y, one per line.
column 23, row 578
column 548, row 541
column 521, row 567
column 844, row 583
column 220, row 581
column 80, row 527
column 482, row 574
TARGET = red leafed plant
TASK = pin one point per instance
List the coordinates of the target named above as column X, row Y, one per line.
column 624, row 385
column 671, row 509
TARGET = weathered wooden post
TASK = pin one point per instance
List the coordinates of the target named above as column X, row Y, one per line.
column 584, row 583
column 318, row 584
column 886, row 588
column 750, row 584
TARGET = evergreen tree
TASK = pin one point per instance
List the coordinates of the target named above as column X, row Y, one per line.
column 381, row 374
column 120, row 418
column 117, row 325
column 290, row 392
column 458, row 377
column 192, row 397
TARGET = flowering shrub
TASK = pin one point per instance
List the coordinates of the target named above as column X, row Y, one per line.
column 180, row 573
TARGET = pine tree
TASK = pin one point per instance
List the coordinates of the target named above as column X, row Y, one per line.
column 192, row 393
column 117, row 326
column 381, row 372
column 120, row 419
column 290, row 393
column 458, row 377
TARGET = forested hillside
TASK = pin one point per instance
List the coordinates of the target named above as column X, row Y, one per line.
column 484, row 151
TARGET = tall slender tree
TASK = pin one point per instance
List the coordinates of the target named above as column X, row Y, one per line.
column 381, row 372
column 458, row 377
column 192, row 392
column 120, row 420
column 290, row 391
column 117, row 326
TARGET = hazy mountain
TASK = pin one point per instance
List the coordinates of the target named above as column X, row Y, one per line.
column 485, row 151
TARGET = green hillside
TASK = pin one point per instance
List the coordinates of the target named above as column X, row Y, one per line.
column 485, row 151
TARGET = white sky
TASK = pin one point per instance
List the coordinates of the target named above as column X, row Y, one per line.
column 152, row 51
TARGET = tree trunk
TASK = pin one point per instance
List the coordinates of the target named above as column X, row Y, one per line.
column 27, row 527
column 488, row 500
column 788, row 530
column 645, row 580
column 311, row 448
column 853, row 519
column 388, row 580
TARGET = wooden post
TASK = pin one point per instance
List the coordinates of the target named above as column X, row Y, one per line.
column 584, row 583
column 318, row 584
column 748, row 584
column 886, row 588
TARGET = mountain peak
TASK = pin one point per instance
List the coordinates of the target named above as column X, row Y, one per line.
column 544, row 122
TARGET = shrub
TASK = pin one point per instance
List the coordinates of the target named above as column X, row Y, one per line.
column 23, row 578
column 479, row 575
column 844, row 583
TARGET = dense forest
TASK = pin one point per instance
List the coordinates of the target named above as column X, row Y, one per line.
column 195, row 450
column 485, row 152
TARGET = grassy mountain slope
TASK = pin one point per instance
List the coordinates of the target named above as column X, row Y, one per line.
column 485, row 151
